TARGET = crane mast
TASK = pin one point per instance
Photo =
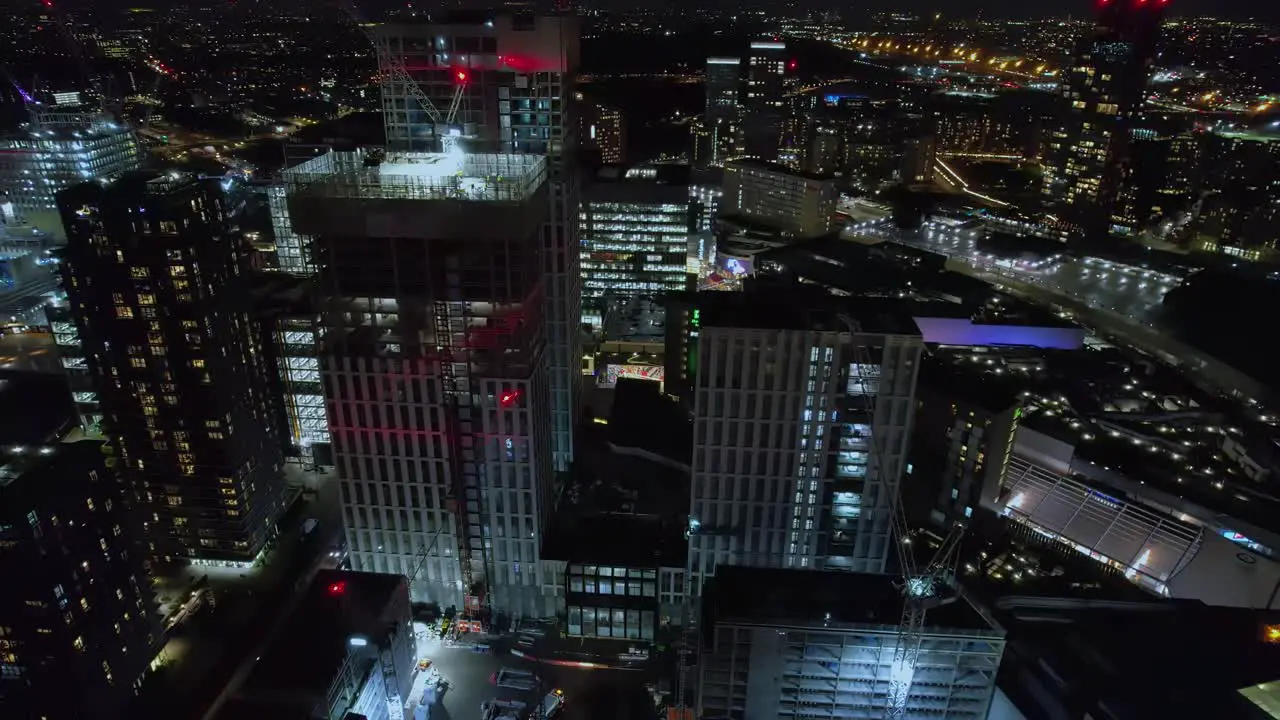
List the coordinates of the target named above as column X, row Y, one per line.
column 920, row 586
column 390, row 62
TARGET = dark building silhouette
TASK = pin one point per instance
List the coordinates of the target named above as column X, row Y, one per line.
column 1088, row 158
column 76, row 614
column 153, row 276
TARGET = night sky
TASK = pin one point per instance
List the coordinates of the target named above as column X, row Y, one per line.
column 1262, row 9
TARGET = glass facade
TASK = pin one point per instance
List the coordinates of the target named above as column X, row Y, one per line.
column 34, row 167
column 633, row 248
column 612, row 602
column 298, row 340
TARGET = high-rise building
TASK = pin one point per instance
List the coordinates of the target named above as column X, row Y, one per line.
column 513, row 77
column 822, row 147
column 602, row 131
column 918, row 155
column 763, row 106
column 964, row 431
column 802, row 412
column 795, row 203
column 434, row 366
column 1088, row 158
column 290, row 322
column 724, row 88
column 76, row 606
column 55, row 152
column 152, row 272
column 635, row 239
column 1239, row 214
column 715, row 134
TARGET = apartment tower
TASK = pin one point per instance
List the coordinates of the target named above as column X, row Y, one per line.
column 802, row 411
column 1089, row 153
column 152, row 271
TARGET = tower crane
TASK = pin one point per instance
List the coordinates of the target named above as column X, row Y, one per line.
column 421, row 560
column 921, row 587
column 390, row 62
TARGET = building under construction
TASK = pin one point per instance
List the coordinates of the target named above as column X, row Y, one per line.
column 502, row 82
column 810, row 644
column 433, row 366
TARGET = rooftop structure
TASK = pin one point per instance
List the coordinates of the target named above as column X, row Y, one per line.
column 802, row 643
column 347, row 647
column 1132, row 661
column 419, row 176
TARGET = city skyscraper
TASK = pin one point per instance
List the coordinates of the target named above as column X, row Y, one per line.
column 763, row 107
column 635, row 240
column 433, row 361
column 1088, row 158
column 715, row 136
column 602, row 133
column 152, row 272
column 724, row 87
column 512, row 74
column 802, row 414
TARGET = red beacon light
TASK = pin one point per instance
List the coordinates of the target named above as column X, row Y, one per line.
column 509, row 398
column 461, row 76
column 338, row 588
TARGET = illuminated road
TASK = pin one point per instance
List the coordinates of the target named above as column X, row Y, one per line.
column 1131, row 292
column 1120, row 302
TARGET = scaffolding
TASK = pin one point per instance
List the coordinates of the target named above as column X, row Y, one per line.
column 419, row 176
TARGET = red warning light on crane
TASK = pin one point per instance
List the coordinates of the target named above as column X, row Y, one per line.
column 338, row 588
column 792, row 65
column 461, row 76
column 509, row 398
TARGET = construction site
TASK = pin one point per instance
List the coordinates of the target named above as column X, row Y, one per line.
column 432, row 339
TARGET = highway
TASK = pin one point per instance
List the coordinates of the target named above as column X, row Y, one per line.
column 1120, row 302
column 1131, row 292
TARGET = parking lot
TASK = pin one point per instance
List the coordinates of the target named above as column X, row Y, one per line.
column 636, row 319
column 589, row 693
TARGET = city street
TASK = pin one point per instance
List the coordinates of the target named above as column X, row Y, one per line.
column 590, row 694
column 29, row 351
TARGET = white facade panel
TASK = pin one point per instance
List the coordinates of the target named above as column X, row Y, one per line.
column 795, row 465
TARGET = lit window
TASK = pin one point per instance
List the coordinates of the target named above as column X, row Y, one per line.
column 124, row 312
column 147, row 299
column 140, row 272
